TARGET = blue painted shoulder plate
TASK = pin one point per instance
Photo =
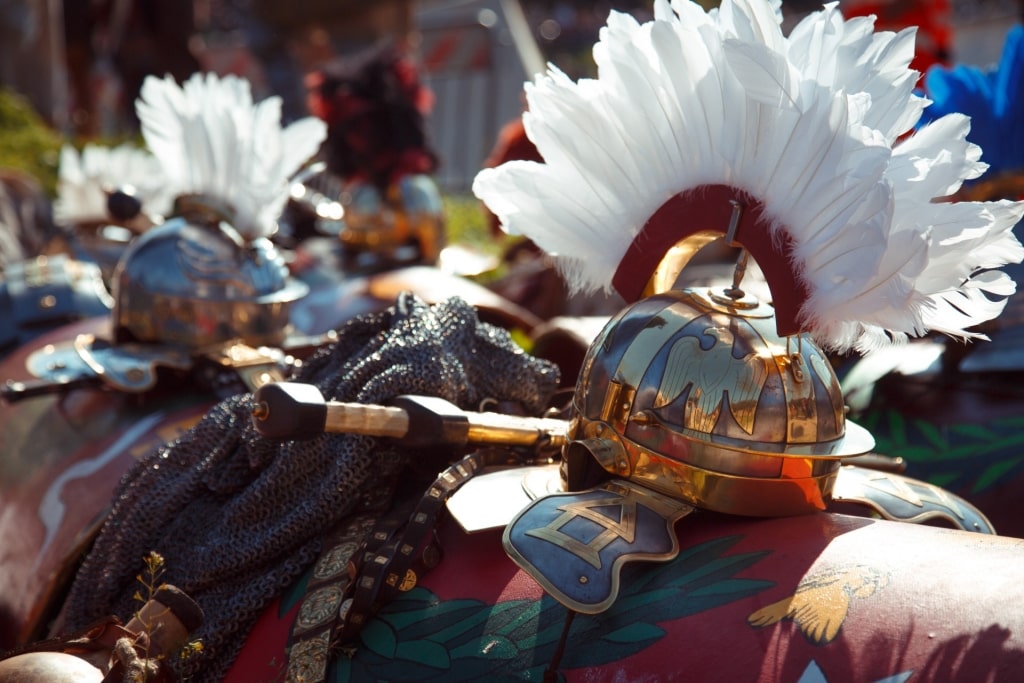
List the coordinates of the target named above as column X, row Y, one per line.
column 44, row 293
column 902, row 499
column 574, row 544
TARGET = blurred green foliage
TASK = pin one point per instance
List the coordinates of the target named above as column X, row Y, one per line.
column 26, row 142
column 467, row 224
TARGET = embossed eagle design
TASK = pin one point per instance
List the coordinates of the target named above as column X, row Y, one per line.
column 714, row 375
column 822, row 601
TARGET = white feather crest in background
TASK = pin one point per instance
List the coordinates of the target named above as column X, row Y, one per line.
column 807, row 124
column 85, row 179
column 212, row 139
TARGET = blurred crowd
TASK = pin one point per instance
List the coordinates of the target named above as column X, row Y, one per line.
column 81, row 62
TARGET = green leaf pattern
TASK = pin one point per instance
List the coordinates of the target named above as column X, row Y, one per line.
column 420, row 637
column 967, row 459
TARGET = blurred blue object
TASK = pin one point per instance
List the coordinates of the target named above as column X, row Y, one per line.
column 992, row 98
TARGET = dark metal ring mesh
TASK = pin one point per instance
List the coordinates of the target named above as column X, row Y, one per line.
column 238, row 518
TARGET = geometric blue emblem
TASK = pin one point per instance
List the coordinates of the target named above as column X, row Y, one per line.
column 574, row 544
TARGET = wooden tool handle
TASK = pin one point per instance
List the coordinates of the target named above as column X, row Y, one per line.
column 357, row 418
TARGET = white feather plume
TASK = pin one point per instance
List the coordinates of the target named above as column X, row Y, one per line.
column 85, row 179
column 212, row 139
column 809, row 124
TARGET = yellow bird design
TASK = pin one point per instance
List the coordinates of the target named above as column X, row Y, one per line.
column 822, row 601
column 711, row 375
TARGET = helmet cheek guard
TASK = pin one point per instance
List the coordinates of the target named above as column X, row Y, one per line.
column 695, row 395
column 587, row 462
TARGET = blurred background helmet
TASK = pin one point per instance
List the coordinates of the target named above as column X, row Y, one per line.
column 195, row 281
column 374, row 187
column 405, row 224
column 400, row 224
column 695, row 395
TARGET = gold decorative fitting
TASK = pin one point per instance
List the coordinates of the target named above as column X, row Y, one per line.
column 676, row 258
column 796, row 367
column 747, row 306
column 644, row 419
column 408, row 582
column 734, row 299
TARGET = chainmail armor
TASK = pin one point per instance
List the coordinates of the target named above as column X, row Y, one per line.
column 238, row 518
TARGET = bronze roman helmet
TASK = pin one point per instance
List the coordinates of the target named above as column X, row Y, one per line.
column 195, row 281
column 694, row 394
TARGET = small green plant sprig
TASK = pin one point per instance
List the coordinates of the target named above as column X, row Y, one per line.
column 151, row 581
column 150, row 577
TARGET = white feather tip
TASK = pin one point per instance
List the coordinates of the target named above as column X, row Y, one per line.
column 212, row 139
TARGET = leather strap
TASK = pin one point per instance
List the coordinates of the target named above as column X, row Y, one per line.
column 399, row 561
column 310, row 640
column 365, row 564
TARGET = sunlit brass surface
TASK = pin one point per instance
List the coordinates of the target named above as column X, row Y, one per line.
column 254, row 366
column 481, row 428
column 703, row 400
column 665, row 275
column 741, row 483
column 512, row 430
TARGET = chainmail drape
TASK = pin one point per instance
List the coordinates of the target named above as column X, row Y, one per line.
column 238, row 518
